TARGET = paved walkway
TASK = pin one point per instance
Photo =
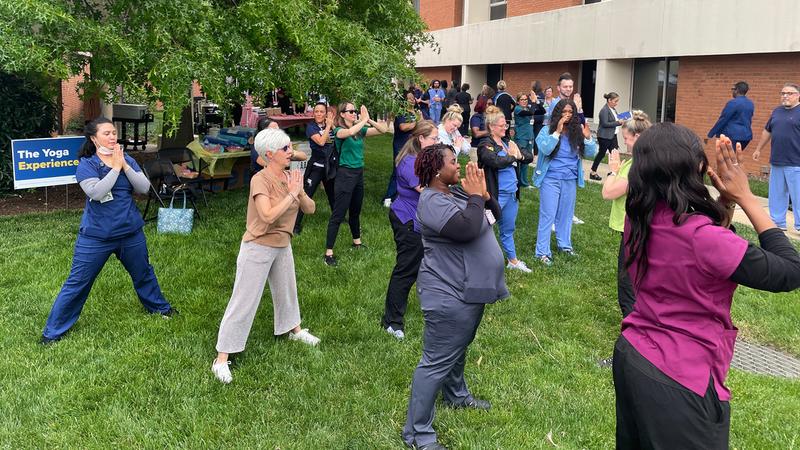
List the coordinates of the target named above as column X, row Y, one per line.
column 738, row 215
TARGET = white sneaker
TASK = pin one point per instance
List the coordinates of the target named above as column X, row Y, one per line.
column 387, row 202
column 398, row 334
column 577, row 221
column 553, row 227
column 222, row 371
column 520, row 265
column 304, row 336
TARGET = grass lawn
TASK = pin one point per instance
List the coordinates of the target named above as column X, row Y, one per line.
column 123, row 378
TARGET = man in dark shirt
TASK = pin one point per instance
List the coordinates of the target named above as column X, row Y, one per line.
column 783, row 129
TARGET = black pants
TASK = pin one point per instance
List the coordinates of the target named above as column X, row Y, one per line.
column 464, row 127
column 625, row 295
column 537, row 127
column 605, row 146
column 409, row 257
column 655, row 412
column 313, row 176
column 348, row 197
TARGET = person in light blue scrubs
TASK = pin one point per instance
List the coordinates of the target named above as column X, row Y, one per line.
column 111, row 223
column 559, row 171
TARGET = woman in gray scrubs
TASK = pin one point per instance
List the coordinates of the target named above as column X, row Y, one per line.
column 462, row 270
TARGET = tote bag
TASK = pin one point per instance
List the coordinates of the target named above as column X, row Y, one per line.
column 176, row 220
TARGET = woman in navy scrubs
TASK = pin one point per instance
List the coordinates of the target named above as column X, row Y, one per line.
column 111, row 223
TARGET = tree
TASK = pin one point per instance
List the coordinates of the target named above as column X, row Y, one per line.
column 154, row 49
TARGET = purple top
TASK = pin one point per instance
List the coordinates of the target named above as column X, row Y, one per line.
column 681, row 321
column 405, row 205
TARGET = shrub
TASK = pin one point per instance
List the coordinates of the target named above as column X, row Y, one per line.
column 26, row 111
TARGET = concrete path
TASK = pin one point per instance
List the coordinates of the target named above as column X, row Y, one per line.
column 738, row 215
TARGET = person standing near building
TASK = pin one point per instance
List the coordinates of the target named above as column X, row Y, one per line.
column 111, row 224
column 437, row 95
column 735, row 120
column 606, row 132
column 783, row 129
column 464, row 100
column 566, row 90
column 477, row 124
column 523, row 132
column 461, row 272
column 504, row 101
column 559, row 171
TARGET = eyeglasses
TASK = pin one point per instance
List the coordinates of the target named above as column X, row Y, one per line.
column 524, row 99
column 789, row 94
column 351, row 111
column 504, row 126
column 287, row 148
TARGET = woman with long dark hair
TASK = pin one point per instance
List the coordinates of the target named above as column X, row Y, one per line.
column 111, row 223
column 461, row 272
column 674, row 353
column 559, row 171
column 403, row 218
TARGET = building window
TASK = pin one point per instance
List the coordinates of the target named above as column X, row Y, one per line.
column 497, row 9
column 655, row 87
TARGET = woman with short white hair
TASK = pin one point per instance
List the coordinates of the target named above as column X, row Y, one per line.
column 265, row 253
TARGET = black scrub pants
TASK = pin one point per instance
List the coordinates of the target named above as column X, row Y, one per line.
column 655, row 412
column 605, row 145
column 313, row 176
column 625, row 295
column 409, row 257
column 348, row 197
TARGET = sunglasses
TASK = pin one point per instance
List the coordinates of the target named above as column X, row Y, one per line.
column 351, row 111
column 287, row 148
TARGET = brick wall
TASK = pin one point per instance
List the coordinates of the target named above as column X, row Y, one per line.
column 704, row 86
column 439, row 14
column 439, row 73
column 519, row 77
column 71, row 104
column 522, row 7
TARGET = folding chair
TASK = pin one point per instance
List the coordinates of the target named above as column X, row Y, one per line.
column 163, row 183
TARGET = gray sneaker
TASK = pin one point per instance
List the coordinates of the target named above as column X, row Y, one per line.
column 520, row 265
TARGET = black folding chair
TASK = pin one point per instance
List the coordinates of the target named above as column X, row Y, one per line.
column 181, row 155
column 164, row 182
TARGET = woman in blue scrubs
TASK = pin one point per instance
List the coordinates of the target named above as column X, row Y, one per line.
column 111, row 223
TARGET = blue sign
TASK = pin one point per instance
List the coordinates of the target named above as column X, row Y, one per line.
column 45, row 162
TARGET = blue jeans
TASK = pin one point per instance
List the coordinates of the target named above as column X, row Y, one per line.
column 90, row 257
column 784, row 184
column 556, row 206
column 507, row 223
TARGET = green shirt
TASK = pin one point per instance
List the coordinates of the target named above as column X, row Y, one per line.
column 617, row 219
column 351, row 149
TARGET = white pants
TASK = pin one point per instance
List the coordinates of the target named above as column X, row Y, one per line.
column 255, row 265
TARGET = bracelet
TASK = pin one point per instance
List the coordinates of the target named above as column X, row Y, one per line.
column 611, row 174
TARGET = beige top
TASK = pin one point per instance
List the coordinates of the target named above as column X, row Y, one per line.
column 268, row 226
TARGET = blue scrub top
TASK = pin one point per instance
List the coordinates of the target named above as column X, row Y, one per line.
column 507, row 176
column 116, row 217
column 565, row 165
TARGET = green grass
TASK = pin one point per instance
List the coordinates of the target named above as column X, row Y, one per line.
column 122, row 378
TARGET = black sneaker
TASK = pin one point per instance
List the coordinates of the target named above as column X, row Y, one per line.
column 471, row 403
column 361, row 246
column 595, row 177
column 330, row 260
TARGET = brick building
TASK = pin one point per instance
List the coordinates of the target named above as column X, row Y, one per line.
column 674, row 59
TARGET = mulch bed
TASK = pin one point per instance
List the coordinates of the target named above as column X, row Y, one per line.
column 54, row 198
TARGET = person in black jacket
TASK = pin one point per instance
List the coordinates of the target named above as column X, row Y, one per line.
column 606, row 132
column 501, row 160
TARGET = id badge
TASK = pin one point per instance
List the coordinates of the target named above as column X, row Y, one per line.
column 107, row 198
column 489, row 216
